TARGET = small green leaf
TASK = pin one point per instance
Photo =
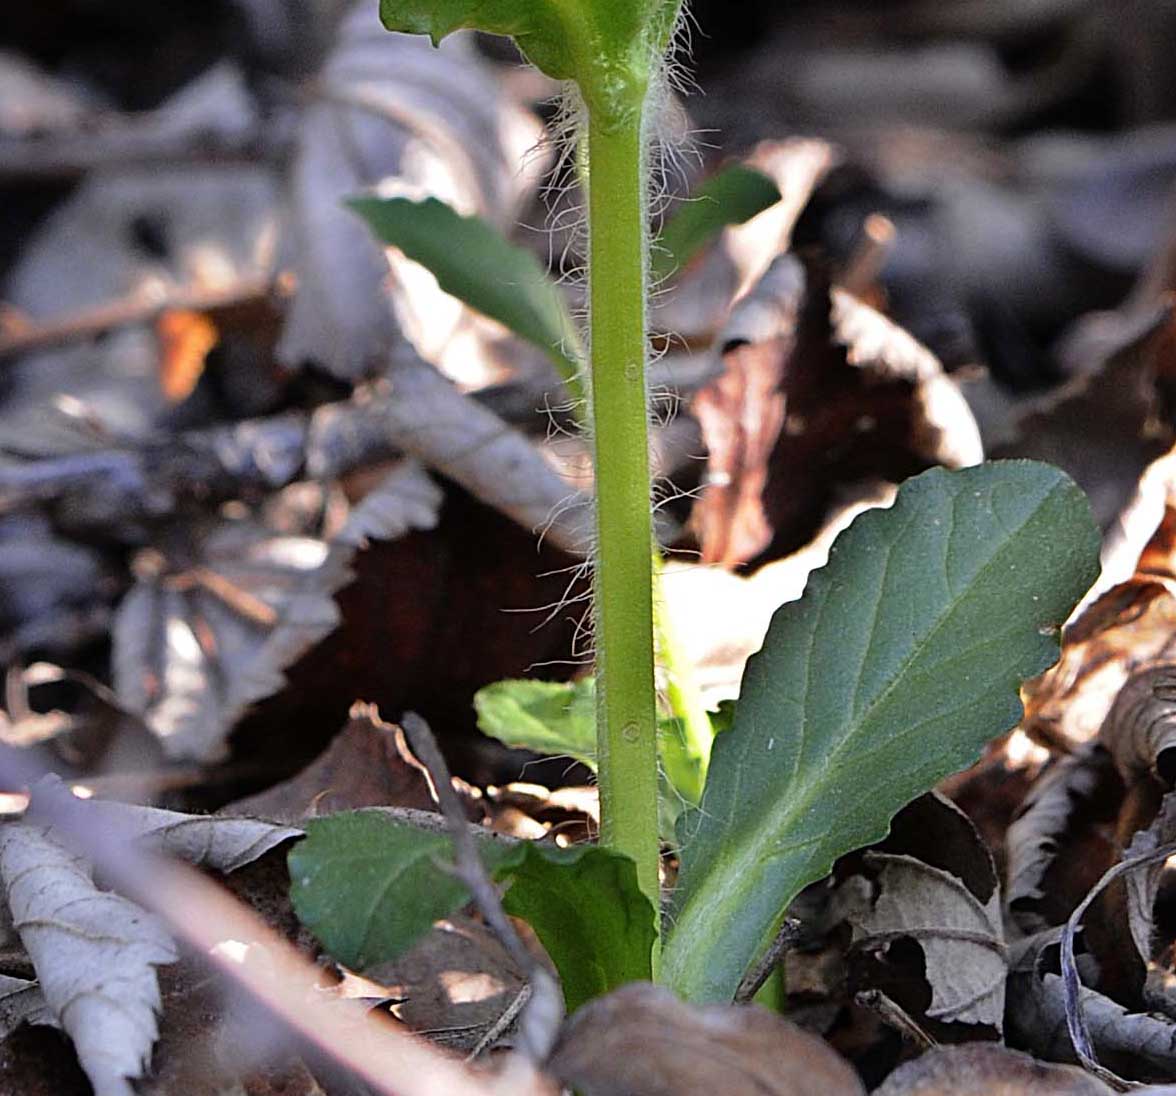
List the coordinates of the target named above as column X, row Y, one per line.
column 589, row 913
column 475, row 263
column 730, row 197
column 369, row 886
column 559, row 719
column 903, row 658
column 549, row 717
column 607, row 46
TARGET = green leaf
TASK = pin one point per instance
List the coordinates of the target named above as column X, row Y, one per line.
column 730, row 197
column 475, row 263
column 607, row 46
column 369, row 886
column 549, row 717
column 559, row 719
column 589, row 913
column 900, row 662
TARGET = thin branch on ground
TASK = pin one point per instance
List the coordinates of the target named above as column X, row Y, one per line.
column 540, row 1020
column 754, row 979
column 27, row 336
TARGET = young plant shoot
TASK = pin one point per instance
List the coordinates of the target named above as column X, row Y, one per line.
column 902, row 659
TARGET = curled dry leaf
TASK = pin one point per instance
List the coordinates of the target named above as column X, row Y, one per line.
column 1132, row 1044
column 642, row 1041
column 936, row 885
column 1143, row 890
column 1127, row 621
column 981, row 1069
column 1055, row 804
column 815, row 379
column 961, row 938
column 198, row 639
column 95, row 954
column 1140, row 728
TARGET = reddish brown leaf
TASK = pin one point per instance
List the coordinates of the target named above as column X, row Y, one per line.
column 818, row 392
column 368, row 764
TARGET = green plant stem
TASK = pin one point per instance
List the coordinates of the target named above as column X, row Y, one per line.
column 626, row 712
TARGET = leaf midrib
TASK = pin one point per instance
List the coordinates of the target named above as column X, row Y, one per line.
column 793, row 805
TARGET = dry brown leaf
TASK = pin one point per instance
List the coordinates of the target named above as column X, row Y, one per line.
column 458, row 986
column 1104, row 426
column 981, row 1069
column 1058, row 803
column 406, row 498
column 815, row 380
column 935, row 885
column 641, row 1040
column 961, row 938
column 368, row 764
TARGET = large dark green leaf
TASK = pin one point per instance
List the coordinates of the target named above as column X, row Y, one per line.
column 475, row 263
column 729, row 197
column 901, row 660
column 587, row 910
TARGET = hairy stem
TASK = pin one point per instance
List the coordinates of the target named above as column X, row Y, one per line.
column 626, row 714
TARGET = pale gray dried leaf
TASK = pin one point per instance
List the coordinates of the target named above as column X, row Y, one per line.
column 429, row 418
column 95, row 955
column 1132, row 1044
column 197, row 642
column 985, row 1069
column 1044, row 817
column 395, row 114
column 219, row 842
column 1140, row 729
column 961, row 937
column 406, row 498
column 641, row 1040
column 1143, row 885
column 22, row 1002
column 33, row 102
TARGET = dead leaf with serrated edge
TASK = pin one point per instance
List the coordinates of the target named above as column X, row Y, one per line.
column 94, row 952
column 196, row 641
